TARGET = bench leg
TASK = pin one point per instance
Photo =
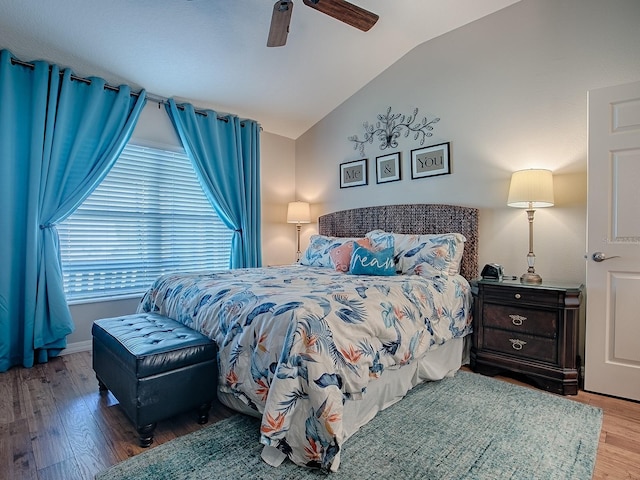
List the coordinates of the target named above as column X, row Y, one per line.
column 146, row 434
column 203, row 413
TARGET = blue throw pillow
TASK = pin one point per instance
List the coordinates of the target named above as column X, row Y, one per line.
column 367, row 262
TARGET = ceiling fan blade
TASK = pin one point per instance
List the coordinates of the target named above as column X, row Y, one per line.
column 280, row 23
column 345, row 12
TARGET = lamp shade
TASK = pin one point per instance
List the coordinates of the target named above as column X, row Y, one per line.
column 531, row 188
column 298, row 212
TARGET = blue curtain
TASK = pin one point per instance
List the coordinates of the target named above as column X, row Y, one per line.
column 225, row 153
column 58, row 139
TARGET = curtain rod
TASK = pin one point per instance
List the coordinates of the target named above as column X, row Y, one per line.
column 15, row 61
column 153, row 98
column 165, row 101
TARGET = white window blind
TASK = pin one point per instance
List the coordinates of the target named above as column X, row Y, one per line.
column 148, row 217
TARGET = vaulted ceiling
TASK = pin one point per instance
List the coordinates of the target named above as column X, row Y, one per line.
column 213, row 53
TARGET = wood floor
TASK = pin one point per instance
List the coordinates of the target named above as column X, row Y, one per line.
column 55, row 425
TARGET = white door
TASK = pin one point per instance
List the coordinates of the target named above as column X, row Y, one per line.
column 612, row 341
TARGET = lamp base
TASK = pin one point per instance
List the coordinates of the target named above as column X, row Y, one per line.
column 530, row 278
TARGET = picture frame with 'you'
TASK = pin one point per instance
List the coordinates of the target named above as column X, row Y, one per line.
column 431, row 161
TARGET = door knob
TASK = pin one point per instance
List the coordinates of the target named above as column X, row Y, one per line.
column 601, row 257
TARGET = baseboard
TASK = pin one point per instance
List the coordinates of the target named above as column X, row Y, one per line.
column 76, row 347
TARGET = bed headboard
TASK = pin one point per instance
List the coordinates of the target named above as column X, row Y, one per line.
column 418, row 218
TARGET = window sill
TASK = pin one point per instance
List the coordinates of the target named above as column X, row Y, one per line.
column 113, row 298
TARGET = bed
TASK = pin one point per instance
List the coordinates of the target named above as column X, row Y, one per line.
column 316, row 352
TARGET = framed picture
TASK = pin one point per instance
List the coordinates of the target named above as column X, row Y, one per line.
column 353, row 174
column 430, row 161
column 388, row 168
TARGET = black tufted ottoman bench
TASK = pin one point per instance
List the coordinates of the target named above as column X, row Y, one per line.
column 155, row 367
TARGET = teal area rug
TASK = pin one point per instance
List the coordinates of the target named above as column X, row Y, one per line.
column 466, row 427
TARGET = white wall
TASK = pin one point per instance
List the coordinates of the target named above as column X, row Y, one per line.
column 278, row 238
column 278, row 189
column 511, row 92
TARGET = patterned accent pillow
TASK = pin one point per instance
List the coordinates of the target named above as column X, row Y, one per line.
column 441, row 251
column 318, row 252
column 341, row 256
column 380, row 239
column 369, row 262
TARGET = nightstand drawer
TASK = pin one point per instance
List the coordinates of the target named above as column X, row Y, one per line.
column 524, row 296
column 523, row 320
column 521, row 345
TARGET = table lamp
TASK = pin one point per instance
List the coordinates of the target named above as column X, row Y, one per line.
column 531, row 189
column 298, row 213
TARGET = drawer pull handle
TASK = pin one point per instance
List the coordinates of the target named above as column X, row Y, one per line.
column 517, row 320
column 517, row 344
column 517, row 295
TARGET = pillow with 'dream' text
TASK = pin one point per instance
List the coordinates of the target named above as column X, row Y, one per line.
column 367, row 262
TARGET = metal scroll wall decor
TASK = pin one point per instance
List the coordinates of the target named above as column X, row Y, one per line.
column 390, row 126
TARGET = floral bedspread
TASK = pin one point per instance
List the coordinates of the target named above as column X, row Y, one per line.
column 295, row 341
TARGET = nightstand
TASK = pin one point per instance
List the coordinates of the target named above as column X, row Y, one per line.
column 528, row 329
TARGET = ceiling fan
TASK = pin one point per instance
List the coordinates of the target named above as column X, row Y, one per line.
column 339, row 9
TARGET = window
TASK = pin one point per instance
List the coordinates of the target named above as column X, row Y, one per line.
column 148, row 217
